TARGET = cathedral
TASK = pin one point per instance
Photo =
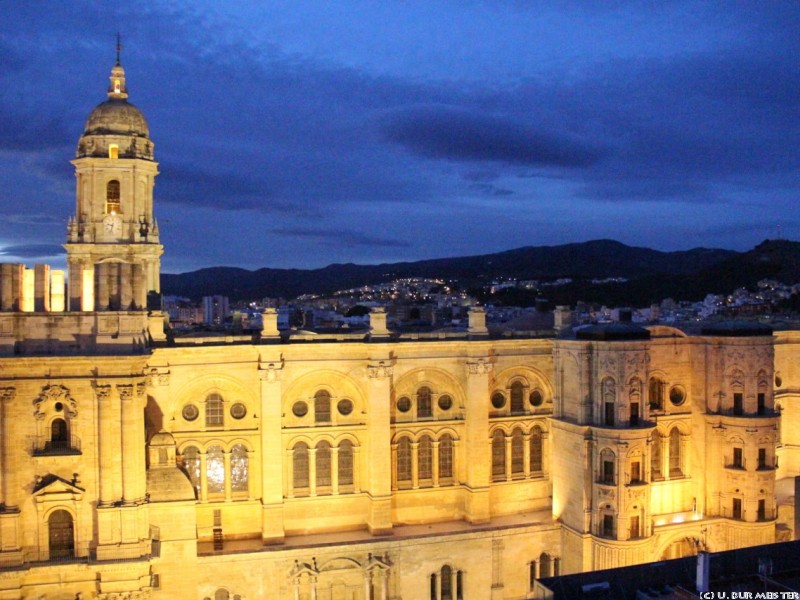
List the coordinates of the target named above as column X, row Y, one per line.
column 290, row 465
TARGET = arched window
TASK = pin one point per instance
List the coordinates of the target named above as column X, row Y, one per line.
column 191, row 464
column 424, row 408
column 215, row 414
column 323, row 459
column 403, row 460
column 447, row 583
column 675, row 453
column 221, row 594
column 517, row 452
column 655, row 393
column 517, row 398
column 445, row 457
column 215, row 470
column 498, row 455
column 300, row 467
column 536, row 450
column 345, row 463
column 239, row 469
column 544, row 566
column 112, row 197
column 656, row 472
column 609, row 391
column 61, row 533
column 59, row 434
column 607, row 467
column 322, row 407
column 425, row 458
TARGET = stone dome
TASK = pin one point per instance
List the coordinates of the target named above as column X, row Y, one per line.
column 116, row 128
column 116, row 116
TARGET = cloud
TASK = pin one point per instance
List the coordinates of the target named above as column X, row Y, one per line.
column 487, row 189
column 33, row 250
column 338, row 237
column 452, row 133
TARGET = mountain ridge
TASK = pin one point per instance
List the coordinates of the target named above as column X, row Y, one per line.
column 584, row 260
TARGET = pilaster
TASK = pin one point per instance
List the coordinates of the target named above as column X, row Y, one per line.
column 272, row 455
column 477, row 475
column 378, row 463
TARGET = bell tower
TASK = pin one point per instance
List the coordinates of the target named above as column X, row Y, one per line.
column 113, row 248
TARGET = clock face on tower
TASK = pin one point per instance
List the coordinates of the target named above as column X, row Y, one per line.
column 112, row 225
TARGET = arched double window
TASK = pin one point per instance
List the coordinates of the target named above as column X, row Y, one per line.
column 536, row 449
column 522, row 453
column 113, row 198
column 656, row 469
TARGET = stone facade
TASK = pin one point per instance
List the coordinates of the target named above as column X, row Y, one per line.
column 358, row 467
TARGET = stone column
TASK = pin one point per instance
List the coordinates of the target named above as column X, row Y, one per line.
column 102, row 286
column 435, row 461
column 312, row 471
column 477, row 475
column 133, row 472
column 414, row 465
column 203, row 476
column 7, row 395
column 378, row 463
column 368, row 584
column 138, row 287
column 526, row 454
column 125, row 286
column 508, row 440
column 41, row 288
column 335, row 470
column 226, row 458
column 6, row 287
column 108, row 440
column 274, row 459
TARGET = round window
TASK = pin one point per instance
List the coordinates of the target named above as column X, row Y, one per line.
column 238, row 410
column 445, row 402
column 300, row 409
column 536, row 398
column 677, row 395
column 498, row 400
column 58, row 406
column 190, row 412
column 345, row 407
column 404, row 404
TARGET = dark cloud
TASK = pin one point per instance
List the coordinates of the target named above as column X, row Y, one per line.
column 488, row 189
column 33, row 250
column 452, row 133
column 348, row 238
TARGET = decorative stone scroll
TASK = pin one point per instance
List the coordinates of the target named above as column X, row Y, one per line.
column 125, row 391
column 7, row 394
column 379, row 371
column 271, row 372
column 479, row 367
column 51, row 394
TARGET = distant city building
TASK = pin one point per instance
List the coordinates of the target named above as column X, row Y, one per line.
column 215, row 309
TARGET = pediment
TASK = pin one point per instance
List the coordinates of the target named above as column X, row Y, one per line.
column 50, row 485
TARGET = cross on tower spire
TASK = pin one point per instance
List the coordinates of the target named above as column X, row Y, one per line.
column 119, row 47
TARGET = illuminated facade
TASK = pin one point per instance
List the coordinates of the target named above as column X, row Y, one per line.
column 350, row 466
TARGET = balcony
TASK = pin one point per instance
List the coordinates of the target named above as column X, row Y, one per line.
column 44, row 446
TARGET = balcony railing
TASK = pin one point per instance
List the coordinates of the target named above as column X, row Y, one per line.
column 44, row 446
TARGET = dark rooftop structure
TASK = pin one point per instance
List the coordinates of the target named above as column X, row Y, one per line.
column 768, row 568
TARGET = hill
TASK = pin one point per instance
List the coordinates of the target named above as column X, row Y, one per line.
column 644, row 267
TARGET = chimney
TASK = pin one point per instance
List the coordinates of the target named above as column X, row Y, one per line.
column 377, row 323
column 477, row 321
column 562, row 318
column 625, row 315
column 269, row 324
column 703, row 571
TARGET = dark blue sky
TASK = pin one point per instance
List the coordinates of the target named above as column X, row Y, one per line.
column 300, row 133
